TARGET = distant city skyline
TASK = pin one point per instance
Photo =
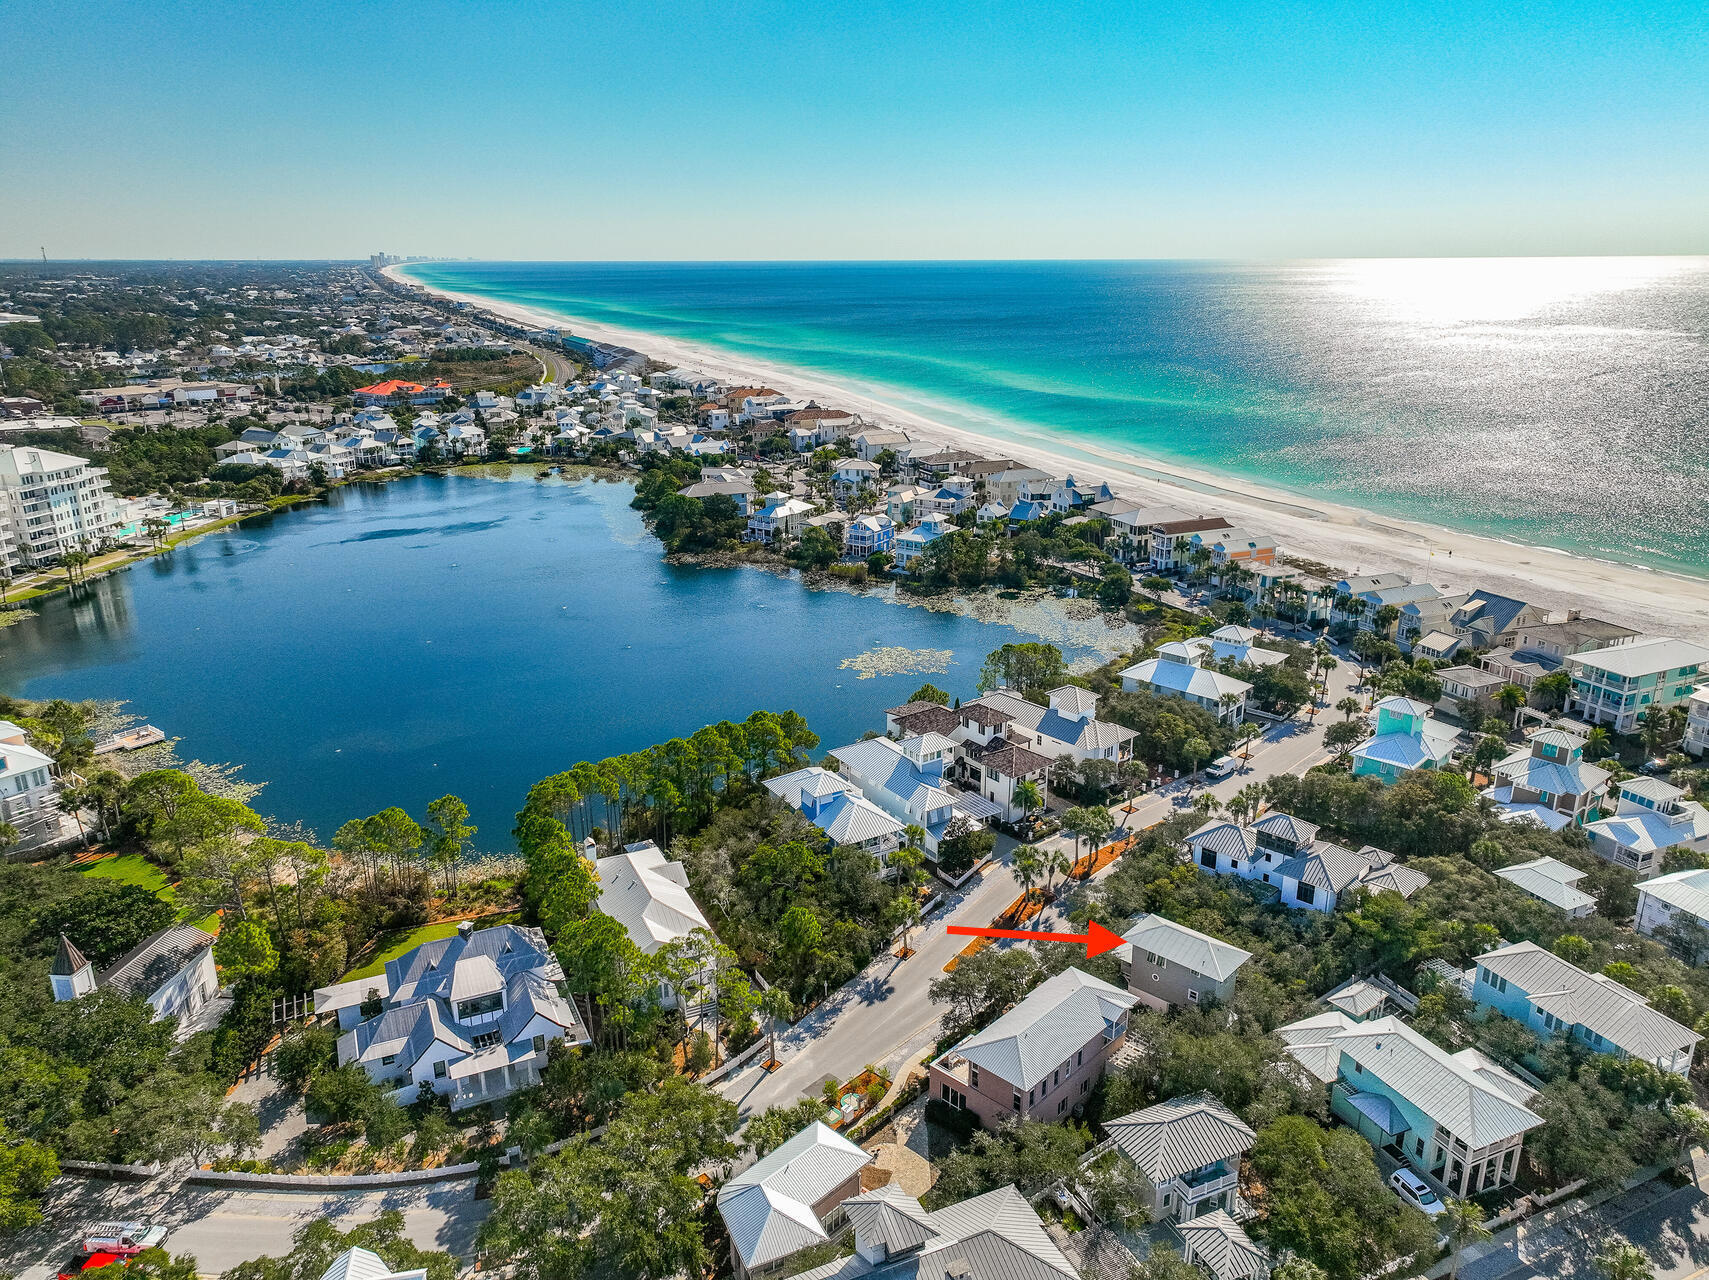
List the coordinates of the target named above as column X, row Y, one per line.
column 831, row 131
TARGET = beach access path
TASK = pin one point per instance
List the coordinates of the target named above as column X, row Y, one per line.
column 1351, row 539
column 884, row 1016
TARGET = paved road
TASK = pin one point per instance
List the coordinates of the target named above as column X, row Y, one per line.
column 1670, row 1225
column 884, row 1016
column 222, row 1228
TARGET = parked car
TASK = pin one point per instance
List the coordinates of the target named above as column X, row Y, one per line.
column 123, row 1238
column 1222, row 767
column 1416, row 1192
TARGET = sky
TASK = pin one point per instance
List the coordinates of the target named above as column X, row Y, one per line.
column 815, row 130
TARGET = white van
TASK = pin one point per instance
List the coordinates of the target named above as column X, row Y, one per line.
column 1221, row 767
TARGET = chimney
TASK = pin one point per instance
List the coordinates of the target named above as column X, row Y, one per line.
column 465, row 928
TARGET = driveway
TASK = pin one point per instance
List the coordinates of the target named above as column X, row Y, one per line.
column 222, row 1228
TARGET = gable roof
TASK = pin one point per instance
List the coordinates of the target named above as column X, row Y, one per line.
column 1551, row 880
column 1450, row 1091
column 1229, row 839
column 156, row 960
column 1686, row 891
column 1590, row 1000
column 647, row 894
column 1179, row 1136
column 1057, row 1017
column 1180, row 945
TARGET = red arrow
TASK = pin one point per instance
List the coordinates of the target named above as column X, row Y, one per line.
column 1097, row 938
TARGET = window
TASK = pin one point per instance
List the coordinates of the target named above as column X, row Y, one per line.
column 1207, row 859
column 973, row 1076
column 1085, row 1085
column 441, row 1069
column 486, row 1040
column 388, row 1059
column 1358, row 1070
column 476, row 1006
column 1192, row 995
column 1030, row 1093
column 1015, row 1104
column 1418, row 1146
column 1061, row 1105
column 1305, row 893
column 1079, row 1057
column 539, row 1044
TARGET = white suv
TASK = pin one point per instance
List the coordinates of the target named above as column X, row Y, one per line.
column 1416, row 1192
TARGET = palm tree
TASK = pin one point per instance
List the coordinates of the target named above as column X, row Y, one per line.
column 1028, row 869
column 1512, row 698
column 777, row 1007
column 1598, row 744
column 1622, row 1260
column 1056, row 863
column 1247, row 733
column 1028, row 797
column 1463, row 1223
column 1349, row 706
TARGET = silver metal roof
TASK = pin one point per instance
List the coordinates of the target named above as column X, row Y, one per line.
column 1179, row 1136
column 1035, row 1037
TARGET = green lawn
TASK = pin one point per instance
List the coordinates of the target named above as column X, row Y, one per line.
column 133, row 868
column 398, row 941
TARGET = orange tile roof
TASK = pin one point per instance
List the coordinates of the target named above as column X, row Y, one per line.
column 391, row 387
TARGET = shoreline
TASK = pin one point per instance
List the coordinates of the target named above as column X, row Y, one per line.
column 1352, row 539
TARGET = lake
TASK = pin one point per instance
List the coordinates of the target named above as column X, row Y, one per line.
column 472, row 634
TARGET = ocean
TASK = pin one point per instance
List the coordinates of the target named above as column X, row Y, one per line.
column 1561, row 402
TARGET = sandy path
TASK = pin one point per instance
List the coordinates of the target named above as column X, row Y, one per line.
column 1347, row 538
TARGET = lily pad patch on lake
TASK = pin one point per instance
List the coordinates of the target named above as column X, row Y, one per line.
column 896, row 661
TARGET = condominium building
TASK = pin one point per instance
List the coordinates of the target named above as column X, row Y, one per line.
column 54, row 503
column 1615, row 686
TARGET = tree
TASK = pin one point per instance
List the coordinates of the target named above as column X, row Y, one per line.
column 1672, row 1002
column 963, row 846
column 318, row 1242
column 929, row 692
column 1512, row 699
column 1030, row 1154
column 1028, row 869
column 1090, row 823
column 449, row 834
column 1349, row 706
column 1028, row 797
column 1029, row 669
column 303, row 1054
column 26, row 1168
column 104, row 918
column 777, row 1007
column 1195, row 749
column 984, row 982
column 1573, row 949
column 244, row 950
column 1342, row 734
column 1620, row 1259
column 1463, row 1223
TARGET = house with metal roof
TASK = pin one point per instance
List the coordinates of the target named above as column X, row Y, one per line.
column 1458, row 1118
column 1068, row 726
column 1617, row 685
column 1552, row 881
column 1040, row 1059
column 996, row 1235
column 1360, row 999
column 836, row 806
column 364, row 1264
column 1552, row 773
column 1675, row 901
column 789, row 1200
column 1651, row 817
column 647, row 893
column 469, row 1016
column 1170, row 677
column 1169, row 966
column 909, row 781
column 173, row 970
column 1188, row 1152
column 1284, row 852
column 1554, row 998
column 1216, row 1243
column 1405, row 737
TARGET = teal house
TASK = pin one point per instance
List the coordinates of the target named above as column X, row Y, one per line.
column 1406, row 738
column 1457, row 1118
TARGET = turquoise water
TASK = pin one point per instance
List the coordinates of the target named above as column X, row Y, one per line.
column 1554, row 401
column 462, row 634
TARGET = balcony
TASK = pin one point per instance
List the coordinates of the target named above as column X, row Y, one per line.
column 1203, row 1184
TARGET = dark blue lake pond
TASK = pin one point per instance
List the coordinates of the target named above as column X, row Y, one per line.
column 471, row 635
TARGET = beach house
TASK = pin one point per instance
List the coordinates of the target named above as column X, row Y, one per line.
column 469, row 1017
column 1040, row 1059
column 1552, row 773
column 1554, row 998
column 1651, row 817
column 29, row 800
column 1457, row 1118
column 836, row 806
column 1284, row 852
column 1177, row 676
column 1696, row 740
column 1171, row 541
column 789, row 1200
column 1169, row 966
column 1187, row 1152
column 1552, row 881
column 1676, row 904
column 647, row 893
column 1067, row 726
column 912, row 542
column 1615, row 686
column 869, row 534
column 172, row 969
column 997, row 1234
column 1406, row 737
column 907, row 780
column 779, row 521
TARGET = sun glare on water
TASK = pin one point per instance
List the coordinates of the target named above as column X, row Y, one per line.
column 1462, row 290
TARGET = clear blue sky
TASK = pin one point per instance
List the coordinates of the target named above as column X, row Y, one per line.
column 830, row 130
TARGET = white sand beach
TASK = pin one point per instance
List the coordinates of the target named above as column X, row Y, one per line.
column 1343, row 537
